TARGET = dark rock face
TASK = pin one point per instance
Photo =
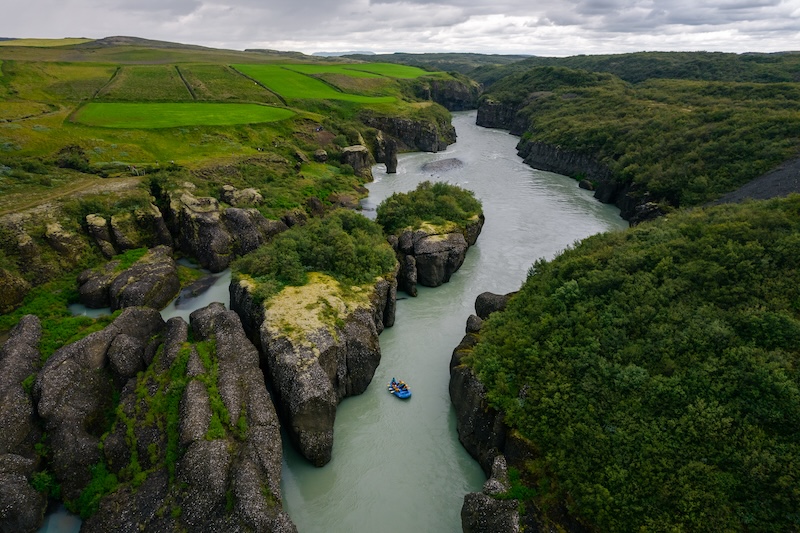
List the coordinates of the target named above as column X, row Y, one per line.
column 483, row 513
column 488, row 302
column 227, row 482
column 455, row 95
column 126, row 231
column 152, row 281
column 74, row 390
column 359, row 158
column 390, row 157
column 215, row 235
column 492, row 114
column 14, row 290
column 430, row 259
column 22, row 508
column 313, row 370
column 412, row 135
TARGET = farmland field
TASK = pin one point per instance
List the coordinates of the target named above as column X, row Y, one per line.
column 42, row 81
column 220, row 83
column 294, row 85
column 44, row 43
column 392, row 70
column 17, row 110
column 146, row 82
column 332, row 69
column 167, row 115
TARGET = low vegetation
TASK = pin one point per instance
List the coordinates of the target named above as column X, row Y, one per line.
column 433, row 203
column 344, row 245
column 170, row 115
column 656, row 373
column 682, row 142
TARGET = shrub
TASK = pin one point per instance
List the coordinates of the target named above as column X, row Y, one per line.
column 345, row 245
column 436, row 203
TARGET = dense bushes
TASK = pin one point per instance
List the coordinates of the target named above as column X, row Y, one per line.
column 683, row 142
column 435, row 203
column 657, row 372
column 344, row 245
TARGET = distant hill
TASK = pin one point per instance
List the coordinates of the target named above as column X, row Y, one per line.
column 339, row 54
column 463, row 63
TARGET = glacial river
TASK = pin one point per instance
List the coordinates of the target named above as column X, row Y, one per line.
column 398, row 465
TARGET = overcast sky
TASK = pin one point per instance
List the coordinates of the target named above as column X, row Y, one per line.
column 550, row 28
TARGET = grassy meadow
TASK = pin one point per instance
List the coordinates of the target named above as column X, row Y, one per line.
column 293, row 85
column 146, row 82
column 169, row 115
column 45, row 43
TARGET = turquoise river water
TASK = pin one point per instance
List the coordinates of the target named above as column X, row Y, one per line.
column 397, row 464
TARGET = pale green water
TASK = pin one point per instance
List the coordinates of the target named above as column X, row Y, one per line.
column 398, row 464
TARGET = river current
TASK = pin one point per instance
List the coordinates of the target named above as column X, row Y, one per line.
column 398, row 463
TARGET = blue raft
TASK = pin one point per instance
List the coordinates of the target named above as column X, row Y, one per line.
column 399, row 389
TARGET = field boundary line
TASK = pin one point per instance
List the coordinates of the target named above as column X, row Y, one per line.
column 240, row 73
column 106, row 84
column 186, row 83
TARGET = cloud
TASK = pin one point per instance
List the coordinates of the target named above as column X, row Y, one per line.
column 504, row 26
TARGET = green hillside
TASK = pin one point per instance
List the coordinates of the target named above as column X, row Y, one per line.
column 655, row 373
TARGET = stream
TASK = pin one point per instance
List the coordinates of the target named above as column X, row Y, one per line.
column 398, row 463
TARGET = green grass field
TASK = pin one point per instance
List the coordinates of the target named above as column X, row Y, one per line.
column 221, row 83
column 169, row 115
column 332, row 69
column 45, row 43
column 392, row 70
column 146, row 82
column 296, row 86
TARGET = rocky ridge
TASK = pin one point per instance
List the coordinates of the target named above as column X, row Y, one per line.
column 151, row 281
column 430, row 255
column 483, row 433
column 318, row 345
column 22, row 507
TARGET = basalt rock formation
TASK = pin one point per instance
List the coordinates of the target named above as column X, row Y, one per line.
column 152, row 281
column 22, row 507
column 359, row 158
column 226, row 476
column 314, row 361
column 412, row 135
column 453, row 94
column 484, row 512
column 74, row 391
column 429, row 256
column 483, row 433
column 215, row 235
column 126, row 231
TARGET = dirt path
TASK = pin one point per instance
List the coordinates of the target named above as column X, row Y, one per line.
column 94, row 185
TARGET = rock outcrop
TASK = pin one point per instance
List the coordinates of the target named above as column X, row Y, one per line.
column 215, row 235
column 359, row 158
column 239, row 197
column 413, row 135
column 74, row 392
column 227, row 474
column 484, row 512
column 126, row 231
column 429, row 256
column 317, row 346
column 453, row 94
column 151, row 281
column 14, row 290
column 483, row 433
column 21, row 508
